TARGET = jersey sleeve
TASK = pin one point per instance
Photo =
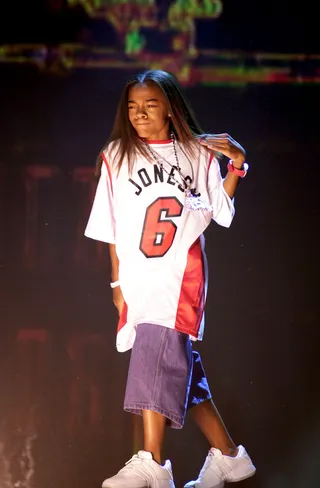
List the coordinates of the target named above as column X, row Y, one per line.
column 101, row 223
column 223, row 207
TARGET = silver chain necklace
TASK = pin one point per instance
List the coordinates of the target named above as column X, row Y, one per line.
column 193, row 200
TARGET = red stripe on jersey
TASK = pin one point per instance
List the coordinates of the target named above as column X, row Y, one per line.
column 192, row 295
column 210, row 161
column 109, row 171
column 123, row 317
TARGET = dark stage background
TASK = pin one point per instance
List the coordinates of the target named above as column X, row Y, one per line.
column 61, row 380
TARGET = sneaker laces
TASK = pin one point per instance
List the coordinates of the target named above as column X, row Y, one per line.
column 219, row 468
column 206, row 465
column 140, row 468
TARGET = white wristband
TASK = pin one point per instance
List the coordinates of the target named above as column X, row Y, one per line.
column 115, row 284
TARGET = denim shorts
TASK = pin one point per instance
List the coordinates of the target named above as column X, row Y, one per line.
column 165, row 374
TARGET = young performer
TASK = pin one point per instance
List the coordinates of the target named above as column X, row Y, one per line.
column 160, row 186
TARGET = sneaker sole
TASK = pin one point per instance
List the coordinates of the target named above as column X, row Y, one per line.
column 243, row 477
column 126, row 486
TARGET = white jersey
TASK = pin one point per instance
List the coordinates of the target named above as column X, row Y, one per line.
column 159, row 243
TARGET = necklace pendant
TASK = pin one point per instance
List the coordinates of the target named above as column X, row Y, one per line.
column 193, row 202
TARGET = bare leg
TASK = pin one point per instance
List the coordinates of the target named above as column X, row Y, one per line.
column 153, row 427
column 208, row 419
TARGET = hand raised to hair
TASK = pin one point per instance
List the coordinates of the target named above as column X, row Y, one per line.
column 226, row 145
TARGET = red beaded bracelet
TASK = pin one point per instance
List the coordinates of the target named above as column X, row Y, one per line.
column 239, row 172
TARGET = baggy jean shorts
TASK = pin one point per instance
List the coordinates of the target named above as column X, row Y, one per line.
column 165, row 375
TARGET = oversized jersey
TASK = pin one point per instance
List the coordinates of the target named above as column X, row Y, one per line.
column 159, row 243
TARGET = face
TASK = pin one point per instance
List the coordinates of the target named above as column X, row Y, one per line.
column 148, row 111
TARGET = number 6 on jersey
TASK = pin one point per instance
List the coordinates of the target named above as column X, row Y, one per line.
column 158, row 230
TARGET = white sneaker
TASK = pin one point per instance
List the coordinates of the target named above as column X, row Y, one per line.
column 219, row 468
column 141, row 471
